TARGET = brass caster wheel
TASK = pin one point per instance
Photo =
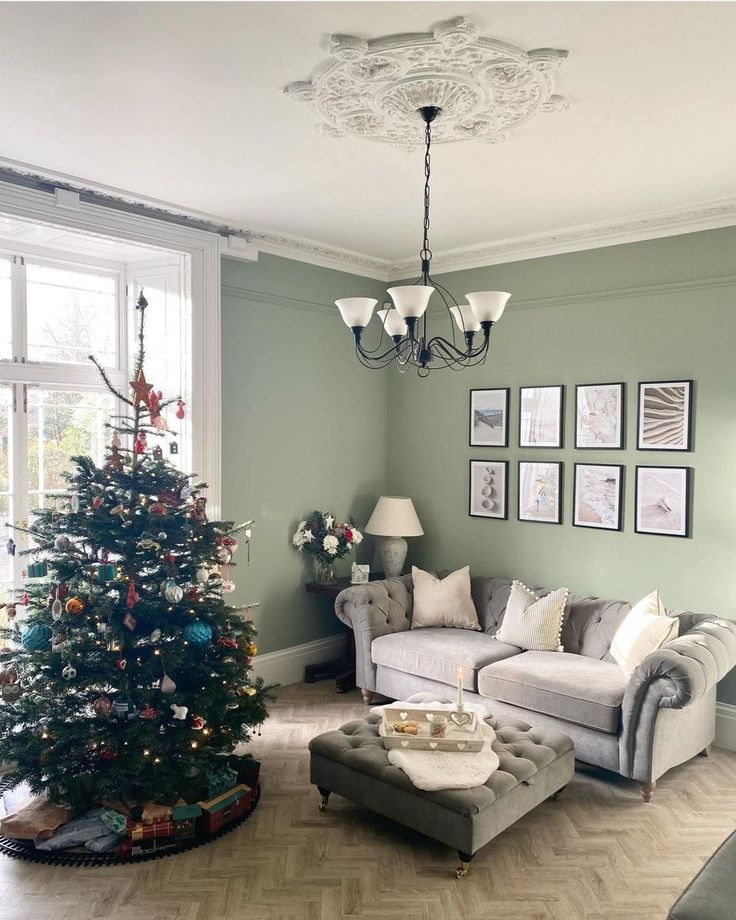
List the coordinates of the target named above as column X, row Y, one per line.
column 325, row 799
column 462, row 870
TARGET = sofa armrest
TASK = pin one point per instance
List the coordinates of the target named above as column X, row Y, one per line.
column 373, row 610
column 673, row 677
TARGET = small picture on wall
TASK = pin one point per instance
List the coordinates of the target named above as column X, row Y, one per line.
column 489, row 488
column 599, row 416
column 540, row 492
column 597, row 496
column 489, row 418
column 540, row 416
column 663, row 500
column 665, row 415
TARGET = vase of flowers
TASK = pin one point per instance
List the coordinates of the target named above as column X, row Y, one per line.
column 326, row 540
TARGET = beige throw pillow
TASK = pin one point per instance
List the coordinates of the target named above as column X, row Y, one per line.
column 443, row 601
column 645, row 628
column 531, row 622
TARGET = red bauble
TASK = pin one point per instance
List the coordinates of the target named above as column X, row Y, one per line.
column 192, row 594
column 121, row 664
column 180, row 413
column 140, row 443
column 62, row 591
column 148, row 712
column 107, row 756
column 96, row 502
column 132, row 596
column 227, row 642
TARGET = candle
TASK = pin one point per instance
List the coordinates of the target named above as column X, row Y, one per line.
column 460, row 705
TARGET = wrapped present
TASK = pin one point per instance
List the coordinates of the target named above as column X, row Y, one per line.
column 247, row 768
column 37, row 570
column 34, row 819
column 76, row 832
column 219, row 779
column 225, row 808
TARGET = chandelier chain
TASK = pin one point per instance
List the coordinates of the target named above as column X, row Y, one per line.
column 426, row 253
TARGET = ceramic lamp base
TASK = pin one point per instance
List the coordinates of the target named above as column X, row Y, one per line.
column 393, row 554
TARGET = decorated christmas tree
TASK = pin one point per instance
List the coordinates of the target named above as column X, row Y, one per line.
column 125, row 675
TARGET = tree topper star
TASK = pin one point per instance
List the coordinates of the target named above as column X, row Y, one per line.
column 141, row 389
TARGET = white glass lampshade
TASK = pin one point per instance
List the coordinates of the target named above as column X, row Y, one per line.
column 465, row 318
column 394, row 516
column 488, row 305
column 392, row 322
column 411, row 299
column 356, row 311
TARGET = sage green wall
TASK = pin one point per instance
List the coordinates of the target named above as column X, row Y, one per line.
column 652, row 310
column 304, row 427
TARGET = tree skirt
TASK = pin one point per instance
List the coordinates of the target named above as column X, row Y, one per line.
column 24, row 849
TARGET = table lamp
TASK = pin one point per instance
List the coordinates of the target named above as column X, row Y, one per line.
column 393, row 519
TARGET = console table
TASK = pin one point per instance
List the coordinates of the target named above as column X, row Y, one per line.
column 343, row 669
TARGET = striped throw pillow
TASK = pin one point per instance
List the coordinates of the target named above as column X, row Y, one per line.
column 531, row 622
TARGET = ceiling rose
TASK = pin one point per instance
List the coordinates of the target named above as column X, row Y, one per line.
column 484, row 87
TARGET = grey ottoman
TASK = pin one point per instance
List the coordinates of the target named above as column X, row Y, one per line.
column 535, row 764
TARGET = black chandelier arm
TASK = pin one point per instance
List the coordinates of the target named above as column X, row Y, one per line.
column 371, row 359
column 451, row 350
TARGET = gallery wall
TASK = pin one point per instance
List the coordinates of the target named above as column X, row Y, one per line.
column 660, row 309
column 304, row 427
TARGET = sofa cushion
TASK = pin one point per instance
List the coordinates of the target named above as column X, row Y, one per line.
column 571, row 687
column 437, row 653
column 443, row 601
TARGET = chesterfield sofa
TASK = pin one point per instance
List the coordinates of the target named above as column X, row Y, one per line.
column 639, row 727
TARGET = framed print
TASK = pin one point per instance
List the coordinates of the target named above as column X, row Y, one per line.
column 599, row 416
column 489, row 418
column 597, row 496
column 665, row 415
column 663, row 500
column 540, row 492
column 540, row 416
column 489, row 488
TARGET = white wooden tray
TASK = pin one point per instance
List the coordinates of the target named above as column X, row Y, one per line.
column 466, row 738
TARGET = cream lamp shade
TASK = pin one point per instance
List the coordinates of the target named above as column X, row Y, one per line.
column 394, row 518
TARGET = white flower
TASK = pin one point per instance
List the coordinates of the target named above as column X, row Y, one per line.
column 357, row 536
column 329, row 521
column 308, row 536
column 329, row 544
column 299, row 538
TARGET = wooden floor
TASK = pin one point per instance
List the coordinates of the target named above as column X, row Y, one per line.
column 598, row 853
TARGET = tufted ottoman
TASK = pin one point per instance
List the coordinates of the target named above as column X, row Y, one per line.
column 535, row 764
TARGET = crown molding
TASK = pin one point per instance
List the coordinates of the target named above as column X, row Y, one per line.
column 710, row 215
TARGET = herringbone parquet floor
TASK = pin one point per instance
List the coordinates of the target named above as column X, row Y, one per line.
column 596, row 854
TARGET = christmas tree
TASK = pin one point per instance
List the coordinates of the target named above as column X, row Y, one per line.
column 128, row 676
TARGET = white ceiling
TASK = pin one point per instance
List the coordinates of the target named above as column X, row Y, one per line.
column 183, row 103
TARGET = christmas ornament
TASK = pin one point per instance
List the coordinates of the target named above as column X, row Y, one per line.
column 227, row 586
column 251, row 649
column 157, row 452
column 62, row 591
column 148, row 544
column 232, row 700
column 161, row 535
column 198, row 723
column 121, row 710
column 56, row 610
column 198, row 633
column 10, row 547
column 171, row 591
column 192, row 594
column 8, row 676
column 179, row 712
column 224, row 555
column 155, row 635
column 157, row 509
column 107, row 756
column 10, row 611
column 132, row 596
column 180, row 409
column 141, row 389
column 74, row 503
column 167, row 685
column 114, row 462
column 101, row 628
column 116, row 442
column 97, row 502
column 58, row 644
column 168, row 498
column 227, row 642
column 37, row 570
column 130, row 622
column 105, row 572
column 25, row 599
column 102, row 706
column 198, row 512
column 249, row 691
column 62, row 543
column 35, row 637
column 10, row 692
column 154, row 404
column 140, row 443
column 186, row 492
column 148, row 713
column 173, row 447
column 121, row 664
column 74, row 605
column 69, row 672
column 118, row 509
column 202, row 576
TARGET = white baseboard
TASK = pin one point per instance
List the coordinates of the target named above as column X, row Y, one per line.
column 726, row 726
column 287, row 665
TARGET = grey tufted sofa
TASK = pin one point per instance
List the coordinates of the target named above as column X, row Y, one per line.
column 638, row 727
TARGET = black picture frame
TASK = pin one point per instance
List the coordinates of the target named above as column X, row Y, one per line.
column 622, row 419
column 493, row 517
column 558, row 441
column 560, row 488
column 619, row 524
column 687, row 413
column 507, row 404
column 687, row 511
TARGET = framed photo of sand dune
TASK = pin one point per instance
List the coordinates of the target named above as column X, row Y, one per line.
column 489, row 417
column 665, row 415
column 540, row 416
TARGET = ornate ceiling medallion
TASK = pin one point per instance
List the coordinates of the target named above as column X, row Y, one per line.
column 484, row 87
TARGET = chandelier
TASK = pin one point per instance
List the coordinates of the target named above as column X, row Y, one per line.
column 405, row 320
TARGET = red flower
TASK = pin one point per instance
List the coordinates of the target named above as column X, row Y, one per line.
column 348, row 535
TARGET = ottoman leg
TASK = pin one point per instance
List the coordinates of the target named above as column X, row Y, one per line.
column 367, row 696
column 555, row 795
column 325, row 793
column 464, row 867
